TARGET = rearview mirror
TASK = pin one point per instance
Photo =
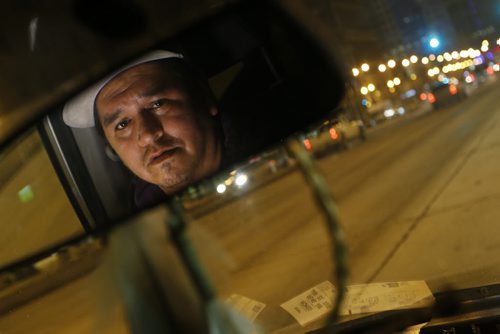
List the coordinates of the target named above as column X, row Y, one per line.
column 200, row 102
column 230, row 83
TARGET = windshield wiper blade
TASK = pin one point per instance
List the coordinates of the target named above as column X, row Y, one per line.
column 381, row 322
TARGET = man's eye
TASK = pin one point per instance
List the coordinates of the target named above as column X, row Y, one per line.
column 122, row 124
column 156, row 104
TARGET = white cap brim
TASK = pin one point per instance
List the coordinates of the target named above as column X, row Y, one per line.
column 79, row 111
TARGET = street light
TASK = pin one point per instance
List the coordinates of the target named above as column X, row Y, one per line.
column 455, row 55
column 365, row 67
column 364, row 90
column 484, row 47
column 396, row 81
column 447, row 56
column 440, row 58
column 382, row 68
column 413, row 59
column 405, row 62
column 432, row 57
column 434, row 42
column 390, row 84
column 391, row 63
column 371, row 87
column 355, row 72
column 425, row 60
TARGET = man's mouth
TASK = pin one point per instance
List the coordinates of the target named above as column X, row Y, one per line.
column 162, row 155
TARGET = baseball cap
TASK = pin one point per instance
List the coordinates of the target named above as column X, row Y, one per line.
column 79, row 111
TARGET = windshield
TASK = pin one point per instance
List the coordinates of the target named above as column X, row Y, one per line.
column 410, row 158
column 413, row 170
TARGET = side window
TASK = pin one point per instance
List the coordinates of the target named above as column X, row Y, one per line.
column 35, row 212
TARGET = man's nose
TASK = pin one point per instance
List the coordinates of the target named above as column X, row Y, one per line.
column 150, row 128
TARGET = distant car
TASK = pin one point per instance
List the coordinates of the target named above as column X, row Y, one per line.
column 349, row 129
column 333, row 134
column 444, row 94
column 383, row 110
column 322, row 140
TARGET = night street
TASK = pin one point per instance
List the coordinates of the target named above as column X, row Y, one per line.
column 412, row 202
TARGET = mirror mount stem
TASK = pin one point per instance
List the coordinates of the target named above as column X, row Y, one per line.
column 324, row 199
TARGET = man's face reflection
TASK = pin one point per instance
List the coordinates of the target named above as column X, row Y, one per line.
column 156, row 129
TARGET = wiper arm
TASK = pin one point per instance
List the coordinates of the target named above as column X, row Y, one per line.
column 381, row 322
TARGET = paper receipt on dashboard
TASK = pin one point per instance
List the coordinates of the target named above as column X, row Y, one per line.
column 362, row 298
column 248, row 307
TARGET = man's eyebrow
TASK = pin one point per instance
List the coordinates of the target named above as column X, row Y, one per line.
column 110, row 118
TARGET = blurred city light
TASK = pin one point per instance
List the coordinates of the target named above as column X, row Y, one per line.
column 458, row 66
column 478, row 61
column 440, row 58
column 26, row 194
column 464, row 54
column 221, row 188
column 390, row 84
column 485, row 42
column 307, row 144
column 432, row 57
column 333, row 134
column 413, row 76
column 447, row 56
column 405, row 62
column 396, row 80
column 389, row 113
column 241, row 180
column 355, row 72
column 371, row 87
column 364, row 90
column 425, row 60
column 391, row 63
column 455, row 55
column 496, row 67
column 484, row 48
column 413, row 59
column 434, row 42
column 365, row 67
column 382, row 68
